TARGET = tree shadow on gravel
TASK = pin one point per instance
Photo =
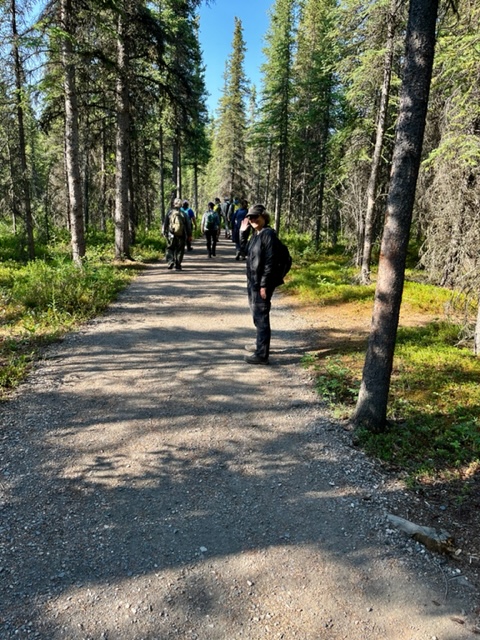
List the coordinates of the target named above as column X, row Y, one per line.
column 155, row 496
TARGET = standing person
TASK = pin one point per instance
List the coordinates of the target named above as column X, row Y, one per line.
column 234, row 206
column 226, row 207
column 237, row 220
column 193, row 222
column 210, row 226
column 261, row 278
column 217, row 207
column 176, row 229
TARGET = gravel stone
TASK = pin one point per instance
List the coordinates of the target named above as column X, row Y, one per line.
column 153, row 486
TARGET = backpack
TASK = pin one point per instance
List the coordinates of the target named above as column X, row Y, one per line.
column 177, row 223
column 211, row 222
column 283, row 261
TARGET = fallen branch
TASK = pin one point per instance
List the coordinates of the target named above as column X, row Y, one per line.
column 437, row 540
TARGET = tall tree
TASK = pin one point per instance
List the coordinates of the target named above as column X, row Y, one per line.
column 231, row 169
column 22, row 149
column 72, row 150
column 371, row 409
column 368, row 233
column 122, row 153
column 313, row 116
column 277, row 91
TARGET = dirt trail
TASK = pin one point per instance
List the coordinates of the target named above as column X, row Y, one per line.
column 153, row 486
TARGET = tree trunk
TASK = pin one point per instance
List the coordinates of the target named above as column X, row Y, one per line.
column 371, row 409
column 103, row 181
column 162, row 175
column 279, row 190
column 377, row 153
column 476, row 342
column 19, row 95
column 195, row 187
column 122, row 212
column 72, row 154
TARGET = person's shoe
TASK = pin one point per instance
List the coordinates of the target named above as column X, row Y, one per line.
column 254, row 359
column 237, row 257
column 171, row 265
column 213, row 254
column 190, row 249
column 178, row 267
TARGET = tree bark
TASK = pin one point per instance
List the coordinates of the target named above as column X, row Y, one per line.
column 162, row 175
column 371, row 409
column 21, row 133
column 476, row 342
column 122, row 211
column 377, row 153
column 72, row 153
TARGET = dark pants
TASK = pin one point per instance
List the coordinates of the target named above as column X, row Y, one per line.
column 175, row 250
column 211, row 237
column 260, row 309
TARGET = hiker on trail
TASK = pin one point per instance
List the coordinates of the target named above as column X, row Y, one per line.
column 237, row 219
column 217, row 207
column 176, row 229
column 210, row 226
column 193, row 222
column 226, row 211
column 234, row 206
column 260, row 278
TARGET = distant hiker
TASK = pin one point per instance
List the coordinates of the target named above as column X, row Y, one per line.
column 260, row 278
column 237, row 219
column 226, row 213
column 210, row 226
column 217, row 207
column 176, row 229
column 234, row 206
column 193, row 222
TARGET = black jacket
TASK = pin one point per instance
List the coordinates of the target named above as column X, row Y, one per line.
column 260, row 259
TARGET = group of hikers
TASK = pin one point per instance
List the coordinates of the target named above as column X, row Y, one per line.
column 181, row 221
column 255, row 241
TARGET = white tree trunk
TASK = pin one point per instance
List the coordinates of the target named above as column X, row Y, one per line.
column 122, row 243
column 72, row 153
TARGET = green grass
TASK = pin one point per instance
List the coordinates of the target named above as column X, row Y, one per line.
column 434, row 404
column 42, row 299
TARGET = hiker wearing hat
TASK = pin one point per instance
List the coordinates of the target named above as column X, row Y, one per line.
column 260, row 278
column 176, row 229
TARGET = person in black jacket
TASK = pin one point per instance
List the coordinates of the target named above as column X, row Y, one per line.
column 260, row 278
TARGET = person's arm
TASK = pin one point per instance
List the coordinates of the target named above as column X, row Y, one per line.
column 268, row 249
column 166, row 224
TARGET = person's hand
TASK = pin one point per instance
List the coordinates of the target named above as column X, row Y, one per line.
column 263, row 293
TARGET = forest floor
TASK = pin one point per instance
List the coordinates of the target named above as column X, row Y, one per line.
column 153, row 486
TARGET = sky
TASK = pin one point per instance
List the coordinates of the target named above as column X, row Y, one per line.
column 217, row 23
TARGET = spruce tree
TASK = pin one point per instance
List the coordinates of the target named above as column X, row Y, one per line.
column 230, row 147
column 277, row 94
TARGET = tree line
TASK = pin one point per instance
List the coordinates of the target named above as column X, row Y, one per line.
column 103, row 121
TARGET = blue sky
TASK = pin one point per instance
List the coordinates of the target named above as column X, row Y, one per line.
column 217, row 23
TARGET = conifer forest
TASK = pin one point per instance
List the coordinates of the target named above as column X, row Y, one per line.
column 364, row 132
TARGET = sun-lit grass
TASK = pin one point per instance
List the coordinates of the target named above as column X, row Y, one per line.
column 42, row 299
column 434, row 404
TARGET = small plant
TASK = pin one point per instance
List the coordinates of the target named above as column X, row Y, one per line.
column 335, row 382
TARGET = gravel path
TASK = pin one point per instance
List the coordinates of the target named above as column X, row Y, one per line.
column 154, row 486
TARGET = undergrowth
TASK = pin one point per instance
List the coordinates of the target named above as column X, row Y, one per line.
column 434, row 403
column 42, row 299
